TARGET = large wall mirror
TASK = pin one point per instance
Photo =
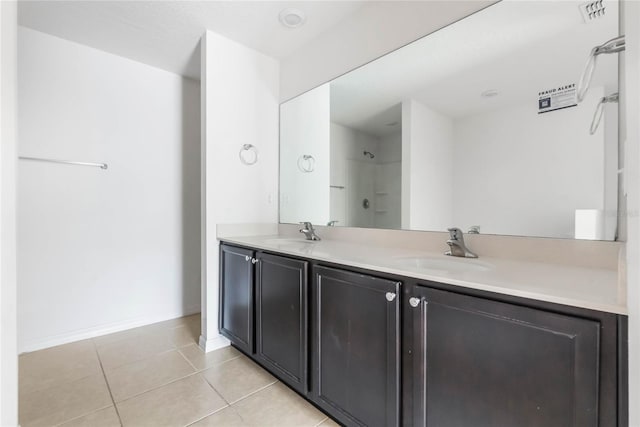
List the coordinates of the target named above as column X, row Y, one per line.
column 476, row 125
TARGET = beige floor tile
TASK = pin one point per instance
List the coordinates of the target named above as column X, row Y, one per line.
column 277, row 405
column 184, row 335
column 144, row 375
column 226, row 417
column 179, row 321
column 104, row 418
column 57, row 365
column 237, row 378
column 134, row 348
column 201, row 360
column 177, row 404
column 58, row 404
column 147, row 329
column 126, row 334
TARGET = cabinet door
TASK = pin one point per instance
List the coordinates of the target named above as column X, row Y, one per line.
column 236, row 296
column 478, row 362
column 281, row 318
column 355, row 347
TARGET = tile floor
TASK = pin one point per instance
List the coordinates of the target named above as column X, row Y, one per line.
column 154, row 376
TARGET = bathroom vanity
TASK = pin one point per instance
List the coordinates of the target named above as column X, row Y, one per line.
column 477, row 126
column 384, row 336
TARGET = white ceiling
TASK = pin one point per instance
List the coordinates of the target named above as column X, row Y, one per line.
column 165, row 34
column 515, row 47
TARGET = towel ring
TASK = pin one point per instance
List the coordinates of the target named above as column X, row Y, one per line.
column 306, row 163
column 615, row 45
column 251, row 160
column 597, row 115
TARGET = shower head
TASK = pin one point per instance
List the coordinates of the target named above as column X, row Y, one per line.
column 369, row 153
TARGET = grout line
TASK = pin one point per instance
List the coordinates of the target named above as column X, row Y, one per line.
column 214, row 412
column 217, row 364
column 149, row 329
column 160, row 386
column 252, row 393
column 217, row 392
column 104, row 375
column 188, row 361
column 156, row 326
column 81, row 416
column 243, row 397
column 61, row 383
column 323, row 420
column 238, row 414
column 115, row 368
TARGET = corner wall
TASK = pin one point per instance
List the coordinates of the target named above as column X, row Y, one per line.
column 240, row 93
column 103, row 250
column 8, row 135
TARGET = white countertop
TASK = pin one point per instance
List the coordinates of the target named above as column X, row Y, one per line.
column 591, row 288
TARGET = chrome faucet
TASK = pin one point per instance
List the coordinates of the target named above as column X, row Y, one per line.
column 474, row 229
column 456, row 243
column 309, row 231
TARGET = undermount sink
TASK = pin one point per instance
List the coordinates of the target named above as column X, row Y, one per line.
column 442, row 264
column 288, row 241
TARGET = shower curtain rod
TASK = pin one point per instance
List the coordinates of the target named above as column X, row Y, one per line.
column 65, row 162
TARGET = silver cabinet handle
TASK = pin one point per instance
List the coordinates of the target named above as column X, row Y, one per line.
column 247, row 257
column 414, row 302
column 253, row 260
column 390, row 296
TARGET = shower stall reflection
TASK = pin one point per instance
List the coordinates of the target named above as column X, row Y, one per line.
column 366, row 171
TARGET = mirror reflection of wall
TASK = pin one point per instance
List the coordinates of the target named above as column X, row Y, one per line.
column 509, row 170
column 460, row 136
column 304, row 131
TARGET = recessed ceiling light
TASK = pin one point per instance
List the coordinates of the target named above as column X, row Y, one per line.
column 491, row 93
column 292, row 18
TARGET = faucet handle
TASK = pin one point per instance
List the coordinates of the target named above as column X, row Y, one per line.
column 307, row 225
column 455, row 233
column 474, row 229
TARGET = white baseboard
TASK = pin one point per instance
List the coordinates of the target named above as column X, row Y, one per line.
column 213, row 343
column 83, row 334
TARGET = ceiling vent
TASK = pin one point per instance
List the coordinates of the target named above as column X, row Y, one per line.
column 592, row 10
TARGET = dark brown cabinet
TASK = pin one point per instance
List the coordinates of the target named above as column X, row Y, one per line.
column 281, row 318
column 356, row 347
column 236, row 296
column 478, row 362
column 373, row 351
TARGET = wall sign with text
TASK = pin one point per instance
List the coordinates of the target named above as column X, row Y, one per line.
column 557, row 98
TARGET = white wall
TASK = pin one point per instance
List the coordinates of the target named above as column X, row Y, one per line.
column 427, row 150
column 388, row 184
column 630, row 134
column 239, row 106
column 390, row 149
column 376, row 29
column 304, row 196
column 8, row 133
column 560, row 170
column 101, row 250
